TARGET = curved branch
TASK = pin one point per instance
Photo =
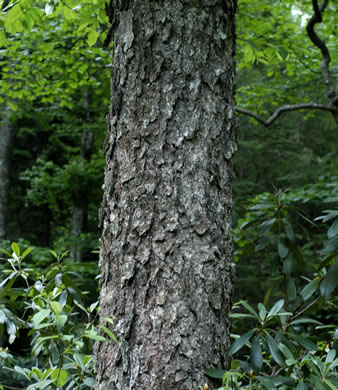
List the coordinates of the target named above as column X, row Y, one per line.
column 317, row 18
column 286, row 108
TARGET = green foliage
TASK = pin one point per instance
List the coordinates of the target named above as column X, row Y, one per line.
column 51, row 306
column 273, row 44
column 292, row 343
column 47, row 51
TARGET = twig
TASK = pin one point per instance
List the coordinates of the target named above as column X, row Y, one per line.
column 286, row 108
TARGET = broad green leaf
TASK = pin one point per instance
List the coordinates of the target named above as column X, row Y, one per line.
column 54, row 254
column 306, row 343
column 90, row 382
column 40, row 385
column 269, row 291
column 215, row 373
column 330, row 356
column 267, row 382
column 263, row 243
column 91, row 334
column 21, row 371
column 262, row 206
column 239, row 343
column 301, row 386
column 93, row 306
column 3, row 39
column 92, row 37
column 287, row 266
column 8, row 283
column 291, row 288
column 266, row 226
column 250, row 309
column 276, row 308
column 10, row 326
column 256, row 357
column 63, row 298
column 273, row 347
column 309, row 289
column 330, row 384
column 289, row 231
column 16, row 249
column 59, row 376
column 249, row 41
column 61, row 320
column 283, row 52
column 262, row 311
column 330, row 280
column 330, row 246
column 68, row 13
column 286, row 352
column 43, row 325
column 241, row 315
column 26, row 252
column 305, row 321
column 282, row 249
column 333, row 230
column 40, row 316
column 109, row 333
column 14, row 13
column 319, row 385
column 334, row 199
column 56, row 307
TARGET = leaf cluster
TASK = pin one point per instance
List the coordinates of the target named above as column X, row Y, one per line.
column 52, row 307
column 292, row 343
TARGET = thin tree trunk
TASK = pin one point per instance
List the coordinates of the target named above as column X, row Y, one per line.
column 166, row 257
column 80, row 199
column 6, row 136
column 77, row 224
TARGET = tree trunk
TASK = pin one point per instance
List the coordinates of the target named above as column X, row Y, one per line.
column 166, row 256
column 80, row 199
column 6, row 135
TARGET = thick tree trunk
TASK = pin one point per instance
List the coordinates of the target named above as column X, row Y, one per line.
column 6, row 135
column 166, row 256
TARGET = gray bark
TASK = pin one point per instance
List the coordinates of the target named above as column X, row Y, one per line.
column 6, row 135
column 166, row 249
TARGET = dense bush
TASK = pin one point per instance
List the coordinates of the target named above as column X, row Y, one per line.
column 49, row 307
column 292, row 342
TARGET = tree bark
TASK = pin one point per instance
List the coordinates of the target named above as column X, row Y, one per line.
column 166, row 249
column 6, row 136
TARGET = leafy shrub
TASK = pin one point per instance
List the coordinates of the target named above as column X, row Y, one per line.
column 284, row 345
column 49, row 305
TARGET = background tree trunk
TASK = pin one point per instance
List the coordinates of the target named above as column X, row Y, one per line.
column 6, row 136
column 80, row 198
column 166, row 257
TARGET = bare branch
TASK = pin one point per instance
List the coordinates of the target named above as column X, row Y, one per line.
column 286, row 108
column 317, row 18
